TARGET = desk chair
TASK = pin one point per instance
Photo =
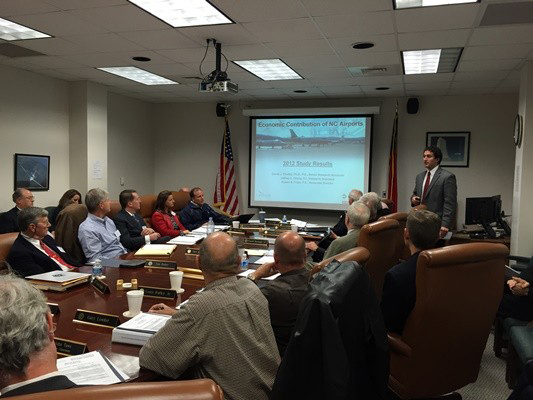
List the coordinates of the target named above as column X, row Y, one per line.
column 115, row 208
column 458, row 290
column 380, row 239
column 402, row 249
column 6, row 242
column 198, row 389
column 147, row 208
column 181, row 199
column 66, row 233
column 357, row 254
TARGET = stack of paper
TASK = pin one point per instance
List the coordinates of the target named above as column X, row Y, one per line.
column 266, row 278
column 187, row 239
column 90, row 369
column 156, row 250
column 139, row 329
column 58, row 280
column 298, row 223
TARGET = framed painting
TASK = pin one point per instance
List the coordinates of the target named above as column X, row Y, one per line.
column 32, row 172
column 455, row 147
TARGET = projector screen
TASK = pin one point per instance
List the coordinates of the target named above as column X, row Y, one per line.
column 308, row 161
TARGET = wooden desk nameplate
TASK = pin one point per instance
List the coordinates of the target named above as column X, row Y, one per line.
column 160, row 264
column 273, row 232
column 237, row 231
column 96, row 319
column 284, row 227
column 252, row 227
column 159, row 293
column 54, row 308
column 272, row 224
column 192, row 273
column 69, row 347
column 256, row 243
column 192, row 251
column 100, row 285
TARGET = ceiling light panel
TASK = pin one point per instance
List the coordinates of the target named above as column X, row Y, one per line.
column 431, row 61
column 182, row 13
column 138, row 75
column 399, row 4
column 269, row 70
column 12, row 31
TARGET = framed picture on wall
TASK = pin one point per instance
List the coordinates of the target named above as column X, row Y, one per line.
column 455, row 147
column 32, row 172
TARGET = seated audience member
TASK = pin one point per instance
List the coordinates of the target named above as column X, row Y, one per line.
column 35, row 251
column 197, row 212
column 285, row 293
column 399, row 288
column 517, row 300
column 98, row 235
column 28, row 358
column 339, row 229
column 222, row 333
column 164, row 219
column 22, row 198
column 133, row 231
column 373, row 202
column 71, row 196
column 356, row 216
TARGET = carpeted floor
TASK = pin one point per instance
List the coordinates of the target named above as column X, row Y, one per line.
column 490, row 384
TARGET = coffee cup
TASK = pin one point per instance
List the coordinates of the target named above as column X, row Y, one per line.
column 236, row 224
column 175, row 280
column 135, row 301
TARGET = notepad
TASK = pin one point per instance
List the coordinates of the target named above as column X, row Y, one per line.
column 156, row 250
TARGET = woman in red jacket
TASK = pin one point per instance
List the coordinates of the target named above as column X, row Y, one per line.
column 164, row 220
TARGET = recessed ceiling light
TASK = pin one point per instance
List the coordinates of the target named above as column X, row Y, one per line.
column 138, row 75
column 431, row 61
column 362, row 45
column 184, row 13
column 399, row 4
column 142, row 59
column 300, row 91
column 382, row 88
column 13, row 31
column 269, row 70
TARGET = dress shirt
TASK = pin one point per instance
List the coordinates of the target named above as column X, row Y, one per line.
column 432, row 171
column 37, row 244
column 146, row 237
column 222, row 333
column 100, row 238
column 20, row 384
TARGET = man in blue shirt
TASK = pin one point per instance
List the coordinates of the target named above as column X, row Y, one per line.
column 197, row 212
column 98, row 235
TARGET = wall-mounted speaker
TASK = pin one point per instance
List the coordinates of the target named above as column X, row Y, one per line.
column 221, row 110
column 412, row 105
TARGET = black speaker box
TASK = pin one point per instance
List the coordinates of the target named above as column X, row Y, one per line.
column 412, row 105
column 221, row 110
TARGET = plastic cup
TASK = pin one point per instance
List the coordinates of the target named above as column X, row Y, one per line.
column 294, row 228
column 175, row 279
column 135, row 301
column 236, row 224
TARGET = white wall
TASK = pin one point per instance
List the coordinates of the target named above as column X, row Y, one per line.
column 33, row 119
column 131, row 144
column 193, row 133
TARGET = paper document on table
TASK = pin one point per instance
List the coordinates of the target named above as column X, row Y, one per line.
column 271, row 277
column 273, row 219
column 156, row 250
column 255, row 252
column 145, row 322
column 188, row 239
column 265, row 259
column 90, row 369
column 246, row 272
column 298, row 223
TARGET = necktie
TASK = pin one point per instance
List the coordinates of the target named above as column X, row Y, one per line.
column 53, row 255
column 426, row 186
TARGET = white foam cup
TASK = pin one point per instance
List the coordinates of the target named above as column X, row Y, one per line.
column 175, row 279
column 236, row 224
column 135, row 301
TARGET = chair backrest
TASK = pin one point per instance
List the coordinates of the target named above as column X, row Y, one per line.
column 402, row 249
column 380, row 239
column 198, row 389
column 181, row 199
column 420, row 207
column 115, row 208
column 458, row 290
column 6, row 241
column 66, row 233
column 147, row 207
column 357, row 254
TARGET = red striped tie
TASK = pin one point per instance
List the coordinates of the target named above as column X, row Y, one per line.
column 426, row 186
column 53, row 255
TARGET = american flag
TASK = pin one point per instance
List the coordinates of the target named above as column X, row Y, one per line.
column 392, row 187
column 226, row 188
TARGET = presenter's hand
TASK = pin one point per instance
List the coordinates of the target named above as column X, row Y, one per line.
column 518, row 286
column 415, row 201
column 147, row 231
column 154, row 236
column 443, row 231
column 311, row 246
column 162, row 309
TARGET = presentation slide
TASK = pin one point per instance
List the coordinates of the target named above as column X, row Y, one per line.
column 309, row 162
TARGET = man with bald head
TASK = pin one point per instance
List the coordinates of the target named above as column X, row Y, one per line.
column 285, row 293
column 222, row 333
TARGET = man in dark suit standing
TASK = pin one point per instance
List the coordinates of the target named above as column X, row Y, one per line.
column 399, row 287
column 437, row 189
column 133, row 231
column 22, row 198
column 29, row 356
column 35, row 251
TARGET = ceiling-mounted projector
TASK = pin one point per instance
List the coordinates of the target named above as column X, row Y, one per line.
column 217, row 81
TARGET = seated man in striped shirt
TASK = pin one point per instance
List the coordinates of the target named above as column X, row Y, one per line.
column 35, row 251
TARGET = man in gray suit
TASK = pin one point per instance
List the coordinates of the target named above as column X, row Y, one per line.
column 437, row 189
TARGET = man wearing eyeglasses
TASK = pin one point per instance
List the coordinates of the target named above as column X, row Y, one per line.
column 22, row 198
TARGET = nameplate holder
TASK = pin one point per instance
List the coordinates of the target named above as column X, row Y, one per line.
column 237, row 231
column 191, row 251
column 192, row 273
column 253, row 227
column 96, row 319
column 69, row 347
column 273, row 232
column 256, row 243
column 270, row 224
column 158, row 293
column 54, row 308
column 160, row 264
column 284, row 227
column 100, row 286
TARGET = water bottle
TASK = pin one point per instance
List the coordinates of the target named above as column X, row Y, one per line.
column 244, row 264
column 262, row 215
column 284, row 220
column 97, row 267
column 210, row 226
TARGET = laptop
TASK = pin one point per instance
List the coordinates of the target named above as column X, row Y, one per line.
column 243, row 218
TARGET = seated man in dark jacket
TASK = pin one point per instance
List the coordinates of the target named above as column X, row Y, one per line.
column 133, row 231
column 22, row 198
column 35, row 251
column 517, row 300
column 399, row 288
column 197, row 212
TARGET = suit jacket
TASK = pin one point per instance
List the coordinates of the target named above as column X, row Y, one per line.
column 399, row 294
column 58, row 382
column 162, row 224
column 343, row 243
column 339, row 229
column 130, row 228
column 8, row 221
column 26, row 259
column 441, row 197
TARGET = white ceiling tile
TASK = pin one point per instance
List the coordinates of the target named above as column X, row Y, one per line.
column 260, row 10
column 459, row 91
column 313, row 73
column 338, row 7
column 381, row 43
column 371, row 23
column 232, row 34
column 447, row 77
column 20, row 7
column 193, row 55
column 255, row 85
column 174, row 69
column 106, row 42
column 340, row 89
column 427, row 86
column 311, row 91
column 474, row 84
column 377, row 80
column 496, row 52
column 480, row 76
column 58, row 24
column 324, row 61
column 75, row 4
column 46, row 62
column 248, row 52
column 52, row 46
column 369, row 59
column 160, row 39
column 326, row 81
column 295, row 84
column 426, row 92
column 372, row 88
column 312, row 47
column 57, row 73
column 502, row 35
column 278, row 31
column 488, row 65
column 433, row 39
column 436, row 18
